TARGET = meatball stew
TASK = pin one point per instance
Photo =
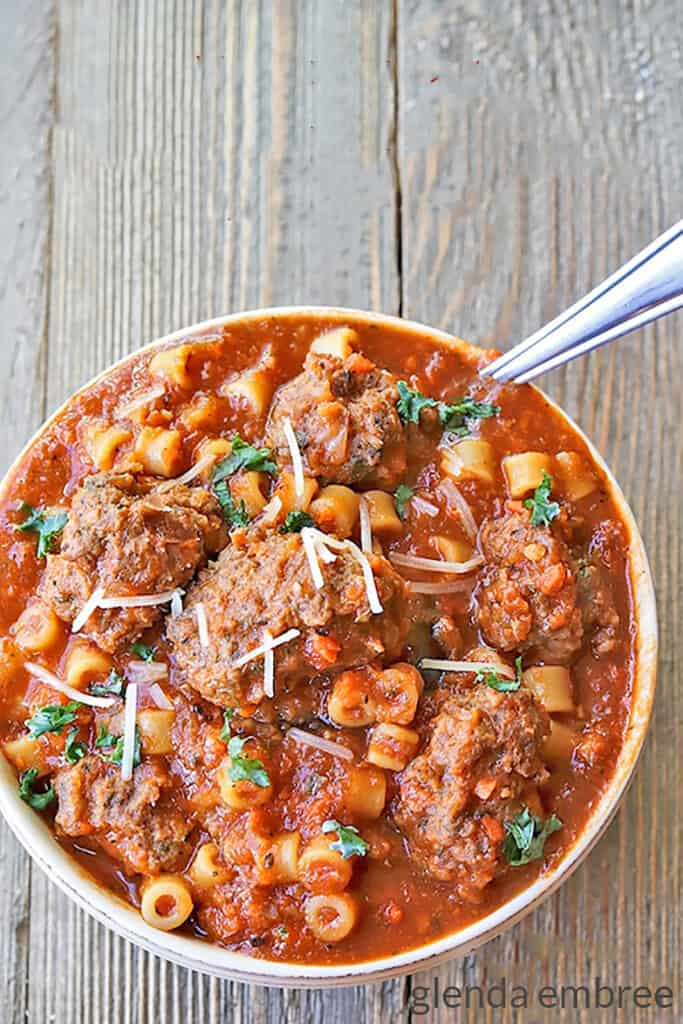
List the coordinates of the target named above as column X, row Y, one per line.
column 316, row 644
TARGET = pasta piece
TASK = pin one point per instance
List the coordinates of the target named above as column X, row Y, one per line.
column 248, row 488
column 558, row 747
column 575, row 476
column 160, row 451
column 392, row 746
column 84, row 664
column 453, row 550
column 524, row 471
column 336, row 510
column 255, row 388
column 103, row 443
column 202, row 413
column 286, row 492
column 351, row 703
column 339, row 342
column 397, row 691
column 278, row 859
column 331, row 918
column 37, row 628
column 384, row 519
column 322, row 869
column 25, row 753
column 166, row 902
column 214, row 449
column 154, row 725
column 240, row 794
column 470, row 458
column 172, row 364
column 552, row 686
column 206, row 869
column 365, row 791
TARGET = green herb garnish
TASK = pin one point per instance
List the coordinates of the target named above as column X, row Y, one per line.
column 243, row 456
column 112, row 686
column 348, row 841
column 105, row 739
column 38, row 801
column 47, row 527
column 402, row 496
column 543, row 511
column 500, row 683
column 242, row 768
column 295, row 522
column 73, row 751
column 411, row 403
column 455, row 417
column 145, row 652
column 227, row 719
column 52, row 718
column 232, row 513
column 526, row 836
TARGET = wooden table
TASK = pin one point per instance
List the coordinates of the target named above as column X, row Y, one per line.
column 473, row 165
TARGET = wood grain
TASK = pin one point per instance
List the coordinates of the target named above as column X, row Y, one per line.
column 477, row 166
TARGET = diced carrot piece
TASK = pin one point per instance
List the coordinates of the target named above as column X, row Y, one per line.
column 553, row 579
column 322, row 651
column 494, row 829
column 485, row 787
column 358, row 363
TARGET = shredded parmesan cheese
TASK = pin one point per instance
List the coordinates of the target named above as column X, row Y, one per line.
column 308, row 541
column 88, row 608
column 206, row 460
column 320, row 541
column 202, row 625
column 307, row 738
column 365, row 526
column 416, row 587
column 136, row 600
column 258, row 652
column 435, row 564
column 268, row 666
column 52, row 680
column 143, row 398
column 297, row 461
column 455, row 497
column 424, row 507
column 129, row 713
column 159, row 697
column 443, row 665
column 177, row 603
column 147, row 671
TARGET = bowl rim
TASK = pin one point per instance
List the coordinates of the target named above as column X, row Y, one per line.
column 212, row 959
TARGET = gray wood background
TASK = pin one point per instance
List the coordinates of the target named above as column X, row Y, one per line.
column 476, row 165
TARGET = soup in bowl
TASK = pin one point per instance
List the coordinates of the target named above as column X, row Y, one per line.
column 323, row 655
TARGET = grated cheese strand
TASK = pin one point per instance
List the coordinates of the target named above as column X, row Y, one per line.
column 435, row 564
column 206, row 460
column 143, row 398
column 321, row 540
column 128, row 754
column 177, row 603
column 258, row 652
column 159, row 697
column 444, row 665
column 202, row 625
column 308, row 540
column 320, row 743
column 416, row 587
column 365, row 526
column 50, row 679
column 88, row 608
column 136, row 600
column 268, row 666
column 297, row 461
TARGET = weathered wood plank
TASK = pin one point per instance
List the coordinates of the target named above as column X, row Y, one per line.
column 537, row 150
column 26, row 116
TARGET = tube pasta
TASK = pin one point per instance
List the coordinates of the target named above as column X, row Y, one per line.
column 552, row 686
column 397, row 691
column 84, row 664
column 206, row 869
column 322, row 869
column 278, row 859
column 575, row 476
column 286, row 492
column 248, row 488
column 365, row 791
column 470, row 458
column 103, row 443
column 524, row 471
column 37, row 628
column 331, row 918
column 339, row 342
column 351, row 703
column 392, row 746
column 452, row 550
column 384, row 519
column 25, row 753
column 155, row 726
column 241, row 795
column 254, row 388
column 201, row 413
column 166, row 902
column 159, row 450
column 336, row 510
column 173, row 365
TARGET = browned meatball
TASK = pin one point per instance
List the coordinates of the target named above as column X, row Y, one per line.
column 527, row 597
column 135, row 821
column 267, row 585
column 455, row 796
column 345, row 420
column 128, row 538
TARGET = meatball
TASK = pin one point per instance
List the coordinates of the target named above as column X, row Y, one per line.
column 136, row 821
column 345, row 420
column 267, row 585
column 527, row 597
column 455, row 797
column 127, row 538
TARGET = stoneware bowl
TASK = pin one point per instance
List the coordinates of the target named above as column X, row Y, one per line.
column 200, row 956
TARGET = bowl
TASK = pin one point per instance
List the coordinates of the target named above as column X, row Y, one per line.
column 193, row 953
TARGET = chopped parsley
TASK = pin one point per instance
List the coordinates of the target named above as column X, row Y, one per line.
column 455, row 417
column 543, row 511
column 47, row 527
column 295, row 521
column 402, row 496
column 227, row 719
column 244, row 456
column 112, row 686
column 38, row 801
column 235, row 515
column 105, row 739
column 52, row 718
column 500, row 683
column 348, row 841
column 73, row 751
column 145, row 652
column 243, row 768
column 526, row 836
